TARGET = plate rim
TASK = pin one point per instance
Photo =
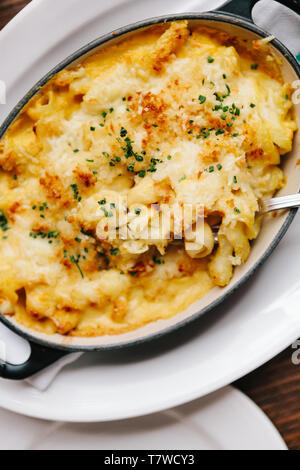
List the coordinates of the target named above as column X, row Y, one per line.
column 206, row 410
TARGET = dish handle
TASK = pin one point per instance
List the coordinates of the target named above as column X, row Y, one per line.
column 40, row 358
column 244, row 8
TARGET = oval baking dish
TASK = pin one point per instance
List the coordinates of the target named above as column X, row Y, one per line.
column 234, row 18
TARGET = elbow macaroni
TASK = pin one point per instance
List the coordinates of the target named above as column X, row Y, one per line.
column 170, row 117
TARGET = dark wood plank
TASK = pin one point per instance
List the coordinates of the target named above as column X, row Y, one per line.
column 275, row 387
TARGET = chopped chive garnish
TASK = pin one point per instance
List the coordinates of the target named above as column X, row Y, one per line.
column 123, row 132
column 75, row 190
column 76, row 262
column 3, row 221
column 130, row 168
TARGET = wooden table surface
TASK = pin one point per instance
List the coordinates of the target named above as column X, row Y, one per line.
column 275, row 387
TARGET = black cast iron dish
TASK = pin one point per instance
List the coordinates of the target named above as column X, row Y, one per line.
column 44, row 352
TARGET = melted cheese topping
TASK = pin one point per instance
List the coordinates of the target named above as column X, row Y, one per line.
column 169, row 116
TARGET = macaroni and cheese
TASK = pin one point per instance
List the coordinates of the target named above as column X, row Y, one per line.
column 170, row 117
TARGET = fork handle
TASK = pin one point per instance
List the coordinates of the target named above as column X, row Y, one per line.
column 285, row 202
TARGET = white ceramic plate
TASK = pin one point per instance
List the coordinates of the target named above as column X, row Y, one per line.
column 225, row 420
column 243, row 333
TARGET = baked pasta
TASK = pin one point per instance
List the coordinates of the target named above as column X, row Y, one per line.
column 170, row 117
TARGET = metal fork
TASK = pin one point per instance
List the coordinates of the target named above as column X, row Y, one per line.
column 275, row 204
